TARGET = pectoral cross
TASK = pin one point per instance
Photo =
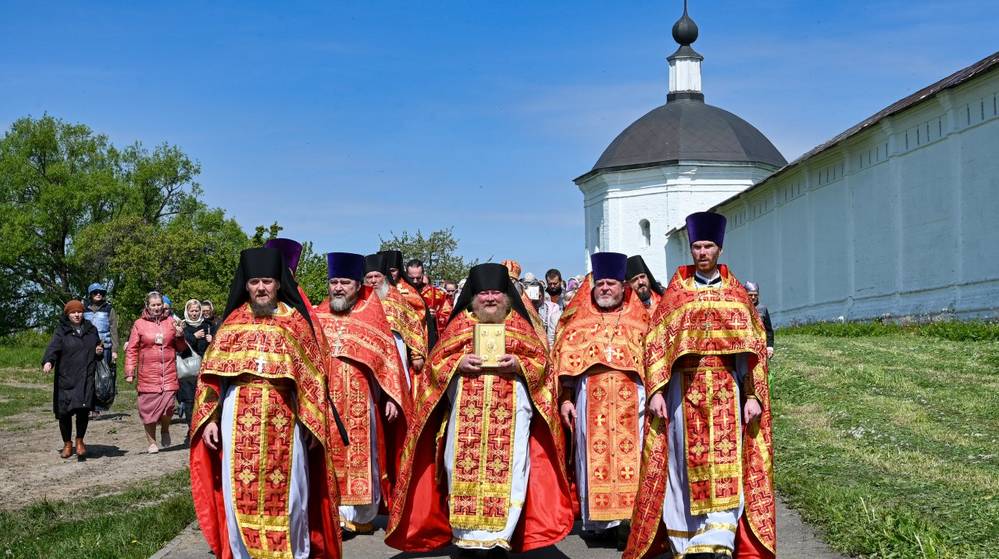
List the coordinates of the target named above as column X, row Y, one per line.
column 609, row 352
column 337, row 343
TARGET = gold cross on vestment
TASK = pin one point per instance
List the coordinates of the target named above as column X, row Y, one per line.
column 609, row 352
column 260, row 364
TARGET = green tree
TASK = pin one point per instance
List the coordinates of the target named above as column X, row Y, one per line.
column 312, row 274
column 75, row 209
column 438, row 251
column 54, row 178
column 263, row 234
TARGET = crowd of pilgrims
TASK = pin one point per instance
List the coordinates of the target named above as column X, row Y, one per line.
column 639, row 409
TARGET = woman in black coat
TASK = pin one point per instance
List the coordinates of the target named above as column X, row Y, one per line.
column 73, row 354
column 198, row 332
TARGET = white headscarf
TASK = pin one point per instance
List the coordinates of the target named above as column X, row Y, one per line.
column 187, row 315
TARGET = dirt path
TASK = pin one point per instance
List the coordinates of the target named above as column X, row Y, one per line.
column 795, row 540
column 31, row 469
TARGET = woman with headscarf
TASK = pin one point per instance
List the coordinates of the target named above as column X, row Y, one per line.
column 208, row 313
column 198, row 334
column 152, row 354
column 73, row 354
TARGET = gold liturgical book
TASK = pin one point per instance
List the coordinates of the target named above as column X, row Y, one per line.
column 490, row 343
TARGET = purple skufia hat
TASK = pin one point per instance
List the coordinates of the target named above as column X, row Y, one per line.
column 706, row 226
column 609, row 265
column 290, row 251
column 345, row 265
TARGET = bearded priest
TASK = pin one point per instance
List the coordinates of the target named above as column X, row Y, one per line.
column 407, row 327
column 599, row 358
column 261, row 476
column 643, row 283
column 489, row 429
column 366, row 382
column 707, row 475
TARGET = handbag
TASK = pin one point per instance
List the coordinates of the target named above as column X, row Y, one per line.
column 188, row 367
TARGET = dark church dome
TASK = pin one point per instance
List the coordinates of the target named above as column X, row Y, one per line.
column 688, row 129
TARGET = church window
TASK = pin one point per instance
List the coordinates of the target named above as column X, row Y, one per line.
column 646, row 228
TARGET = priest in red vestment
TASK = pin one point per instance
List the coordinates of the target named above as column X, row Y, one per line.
column 261, row 474
column 367, row 382
column 483, row 463
column 409, row 292
column 643, row 283
column 599, row 357
column 706, row 490
column 407, row 327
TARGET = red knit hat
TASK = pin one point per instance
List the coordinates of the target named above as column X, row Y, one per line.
column 73, row 306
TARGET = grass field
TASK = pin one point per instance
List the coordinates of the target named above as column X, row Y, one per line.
column 132, row 524
column 888, row 440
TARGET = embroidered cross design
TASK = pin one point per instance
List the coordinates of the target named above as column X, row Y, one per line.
column 337, row 346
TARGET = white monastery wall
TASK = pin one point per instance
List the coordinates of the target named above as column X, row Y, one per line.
column 899, row 219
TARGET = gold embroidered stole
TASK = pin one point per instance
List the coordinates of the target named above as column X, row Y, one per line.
column 483, row 452
column 711, row 432
column 350, row 388
column 406, row 321
column 261, row 465
column 613, row 455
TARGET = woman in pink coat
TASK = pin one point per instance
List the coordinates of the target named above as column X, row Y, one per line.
column 152, row 353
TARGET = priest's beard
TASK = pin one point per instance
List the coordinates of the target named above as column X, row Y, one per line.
column 342, row 303
column 263, row 310
column 491, row 314
column 644, row 293
column 382, row 290
column 608, row 302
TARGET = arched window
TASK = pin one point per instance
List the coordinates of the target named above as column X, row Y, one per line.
column 646, row 228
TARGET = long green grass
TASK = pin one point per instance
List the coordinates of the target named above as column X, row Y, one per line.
column 18, row 399
column 132, row 524
column 23, row 351
column 23, row 385
column 889, row 441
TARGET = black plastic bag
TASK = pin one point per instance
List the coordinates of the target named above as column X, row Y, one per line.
column 105, row 385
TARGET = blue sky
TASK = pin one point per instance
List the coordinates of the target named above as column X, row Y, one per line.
column 345, row 121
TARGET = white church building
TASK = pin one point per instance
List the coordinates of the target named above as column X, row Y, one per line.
column 898, row 215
